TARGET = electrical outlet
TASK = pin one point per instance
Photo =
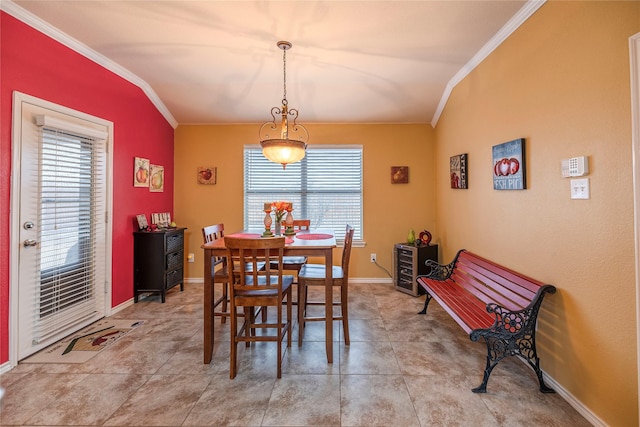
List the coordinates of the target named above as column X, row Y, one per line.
column 373, row 258
column 191, row 258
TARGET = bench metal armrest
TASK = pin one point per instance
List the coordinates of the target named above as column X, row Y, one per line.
column 440, row 271
column 519, row 323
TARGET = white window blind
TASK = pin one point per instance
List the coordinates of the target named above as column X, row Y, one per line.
column 325, row 187
column 71, row 218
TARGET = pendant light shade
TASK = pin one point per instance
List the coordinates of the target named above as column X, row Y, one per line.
column 281, row 143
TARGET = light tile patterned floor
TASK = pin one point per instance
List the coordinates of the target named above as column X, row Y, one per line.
column 401, row 369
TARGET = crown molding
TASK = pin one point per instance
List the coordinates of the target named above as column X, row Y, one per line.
column 44, row 27
column 516, row 21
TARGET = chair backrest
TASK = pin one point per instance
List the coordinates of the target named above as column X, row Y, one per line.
column 247, row 257
column 212, row 232
column 346, row 251
column 209, row 234
column 301, row 224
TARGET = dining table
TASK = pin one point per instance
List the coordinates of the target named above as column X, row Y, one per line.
column 311, row 243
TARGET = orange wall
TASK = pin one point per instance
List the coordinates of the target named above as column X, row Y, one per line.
column 389, row 209
column 562, row 82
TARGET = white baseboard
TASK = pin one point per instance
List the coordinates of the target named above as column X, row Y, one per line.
column 5, row 367
column 574, row 402
column 121, row 306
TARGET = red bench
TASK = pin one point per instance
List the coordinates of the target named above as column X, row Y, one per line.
column 492, row 302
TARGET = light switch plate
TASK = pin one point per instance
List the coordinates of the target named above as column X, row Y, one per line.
column 580, row 188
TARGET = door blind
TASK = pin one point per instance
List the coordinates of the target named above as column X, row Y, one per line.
column 71, row 218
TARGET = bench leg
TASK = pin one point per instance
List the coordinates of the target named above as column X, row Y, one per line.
column 527, row 347
column 498, row 349
column 426, row 303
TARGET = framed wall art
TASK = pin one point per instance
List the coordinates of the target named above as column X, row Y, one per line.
column 458, row 171
column 509, row 165
column 399, row 174
column 156, row 180
column 140, row 172
column 207, row 175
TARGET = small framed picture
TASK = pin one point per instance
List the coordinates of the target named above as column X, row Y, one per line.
column 162, row 219
column 142, row 222
column 207, row 175
column 458, row 171
column 156, row 180
column 509, row 165
column 399, row 174
column 140, row 172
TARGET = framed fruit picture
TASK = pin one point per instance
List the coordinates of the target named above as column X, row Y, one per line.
column 140, row 172
column 399, row 174
column 509, row 165
column 156, row 180
column 207, row 175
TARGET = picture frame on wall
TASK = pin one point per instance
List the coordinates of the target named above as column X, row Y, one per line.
column 207, row 175
column 458, row 171
column 156, row 179
column 140, row 172
column 399, row 174
column 509, row 165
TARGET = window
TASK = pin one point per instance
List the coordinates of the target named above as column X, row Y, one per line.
column 325, row 187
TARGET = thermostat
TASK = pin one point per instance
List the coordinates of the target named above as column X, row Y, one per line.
column 575, row 166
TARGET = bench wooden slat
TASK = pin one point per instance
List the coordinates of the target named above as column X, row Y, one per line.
column 468, row 312
column 501, row 290
column 491, row 286
column 532, row 285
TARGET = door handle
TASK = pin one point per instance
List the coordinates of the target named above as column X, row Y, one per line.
column 29, row 242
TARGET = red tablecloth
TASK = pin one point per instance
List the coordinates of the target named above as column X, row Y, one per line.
column 245, row 235
column 312, row 236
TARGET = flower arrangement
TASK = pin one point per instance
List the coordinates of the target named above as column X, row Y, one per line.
column 279, row 208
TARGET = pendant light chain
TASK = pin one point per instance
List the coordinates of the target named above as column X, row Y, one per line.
column 284, row 73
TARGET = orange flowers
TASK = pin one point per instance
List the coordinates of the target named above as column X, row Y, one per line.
column 279, row 208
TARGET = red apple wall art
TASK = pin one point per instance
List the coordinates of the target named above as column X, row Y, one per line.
column 508, row 165
column 140, row 172
column 207, row 175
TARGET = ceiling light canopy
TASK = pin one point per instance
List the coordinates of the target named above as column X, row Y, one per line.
column 290, row 145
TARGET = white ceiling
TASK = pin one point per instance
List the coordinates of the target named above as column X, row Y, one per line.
column 351, row 62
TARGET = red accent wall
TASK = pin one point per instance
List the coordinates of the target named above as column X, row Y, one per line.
column 35, row 64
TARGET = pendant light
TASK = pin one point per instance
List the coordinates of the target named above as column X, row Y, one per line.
column 283, row 144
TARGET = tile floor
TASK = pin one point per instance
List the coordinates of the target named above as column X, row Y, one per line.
column 401, row 369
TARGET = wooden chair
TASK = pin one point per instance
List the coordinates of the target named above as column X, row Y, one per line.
column 255, row 287
column 219, row 272
column 295, row 263
column 315, row 275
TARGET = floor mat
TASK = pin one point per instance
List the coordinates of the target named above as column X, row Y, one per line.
column 86, row 343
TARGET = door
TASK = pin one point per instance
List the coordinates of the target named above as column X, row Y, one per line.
column 60, row 168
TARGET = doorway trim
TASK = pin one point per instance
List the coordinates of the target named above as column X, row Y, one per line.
column 634, row 56
column 16, row 169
